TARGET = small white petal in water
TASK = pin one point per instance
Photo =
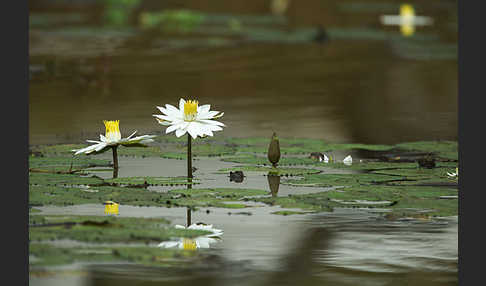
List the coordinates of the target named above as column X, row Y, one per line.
column 326, row 159
column 348, row 160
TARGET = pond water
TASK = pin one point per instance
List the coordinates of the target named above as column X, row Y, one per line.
column 207, row 174
column 259, row 248
column 320, row 69
column 265, row 67
column 346, row 246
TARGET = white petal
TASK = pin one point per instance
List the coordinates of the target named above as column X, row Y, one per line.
column 209, row 133
column 169, row 110
column 214, row 128
column 178, row 226
column 326, row 159
column 348, row 160
column 163, row 122
column 169, row 244
column 180, row 132
column 103, row 138
column 203, row 108
column 181, row 106
column 132, row 134
column 194, row 130
column 207, row 115
column 172, row 110
column 100, row 146
column 164, row 117
column 203, row 242
column 162, row 109
column 219, row 115
column 211, row 122
column 89, row 149
column 172, row 128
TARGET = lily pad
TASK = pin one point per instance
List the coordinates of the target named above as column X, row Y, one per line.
column 104, row 228
column 51, row 255
column 48, row 179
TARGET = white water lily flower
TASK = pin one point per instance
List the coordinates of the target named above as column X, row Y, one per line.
column 190, row 118
column 194, row 243
column 348, row 160
column 112, row 137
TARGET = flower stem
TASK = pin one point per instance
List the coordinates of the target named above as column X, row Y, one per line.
column 115, row 157
column 189, row 159
column 188, row 217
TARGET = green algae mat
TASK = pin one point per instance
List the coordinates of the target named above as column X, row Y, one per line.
column 389, row 174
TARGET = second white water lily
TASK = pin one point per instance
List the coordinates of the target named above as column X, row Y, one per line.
column 112, row 139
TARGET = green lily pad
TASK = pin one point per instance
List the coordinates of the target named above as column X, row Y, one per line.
column 50, row 255
column 48, row 179
column 444, row 149
column 104, row 228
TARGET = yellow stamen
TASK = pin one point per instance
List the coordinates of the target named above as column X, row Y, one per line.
column 406, row 10
column 112, row 129
column 189, row 244
column 190, row 110
column 407, row 13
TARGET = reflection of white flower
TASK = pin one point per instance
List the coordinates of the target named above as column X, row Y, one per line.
column 190, row 118
column 189, row 243
column 194, row 243
column 112, row 137
column 348, row 160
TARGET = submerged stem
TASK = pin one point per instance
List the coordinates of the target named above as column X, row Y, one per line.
column 188, row 217
column 189, row 160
